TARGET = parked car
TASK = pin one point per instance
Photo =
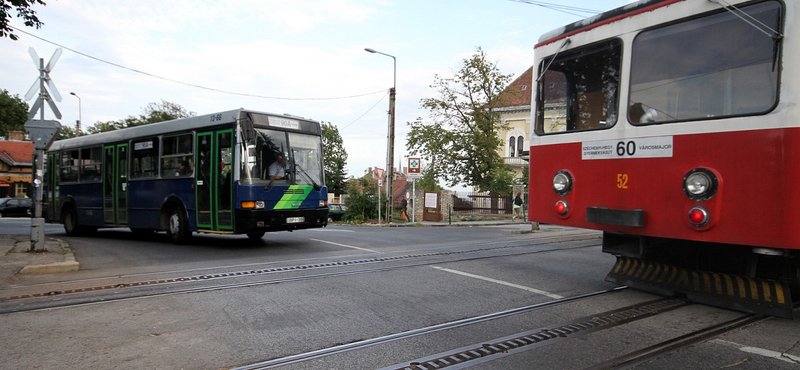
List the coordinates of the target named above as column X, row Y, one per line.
column 15, row 207
column 336, row 211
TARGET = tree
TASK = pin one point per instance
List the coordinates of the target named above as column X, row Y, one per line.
column 335, row 159
column 462, row 134
column 24, row 11
column 362, row 204
column 154, row 112
column 13, row 113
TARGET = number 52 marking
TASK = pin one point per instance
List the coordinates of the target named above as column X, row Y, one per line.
column 622, row 181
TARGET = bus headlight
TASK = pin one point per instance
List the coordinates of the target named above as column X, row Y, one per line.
column 700, row 184
column 249, row 204
column 562, row 182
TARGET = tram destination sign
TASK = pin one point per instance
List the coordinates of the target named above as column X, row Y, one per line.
column 645, row 147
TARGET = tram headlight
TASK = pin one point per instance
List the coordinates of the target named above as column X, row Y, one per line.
column 700, row 184
column 562, row 182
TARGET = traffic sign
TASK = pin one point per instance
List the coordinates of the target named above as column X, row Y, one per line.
column 39, row 85
column 414, row 168
column 42, row 133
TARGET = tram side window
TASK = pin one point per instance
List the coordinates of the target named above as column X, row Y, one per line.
column 145, row 159
column 70, row 166
column 176, row 158
column 710, row 67
column 90, row 162
column 579, row 89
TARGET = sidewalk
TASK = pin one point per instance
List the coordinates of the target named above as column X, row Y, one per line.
column 15, row 257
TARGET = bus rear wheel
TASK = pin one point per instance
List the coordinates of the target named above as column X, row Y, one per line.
column 178, row 227
column 70, row 218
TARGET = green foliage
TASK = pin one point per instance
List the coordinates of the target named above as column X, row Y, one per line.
column 335, row 159
column 154, row 112
column 461, row 139
column 13, row 113
column 362, row 203
column 24, row 11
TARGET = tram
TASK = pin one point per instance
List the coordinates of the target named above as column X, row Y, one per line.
column 673, row 127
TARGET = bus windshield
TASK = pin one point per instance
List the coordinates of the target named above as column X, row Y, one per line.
column 283, row 158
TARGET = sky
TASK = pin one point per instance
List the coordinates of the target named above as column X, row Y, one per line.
column 301, row 57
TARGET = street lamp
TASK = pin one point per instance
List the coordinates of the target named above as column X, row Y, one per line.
column 390, row 138
column 78, row 126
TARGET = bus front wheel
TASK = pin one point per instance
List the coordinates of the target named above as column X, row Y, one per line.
column 178, row 229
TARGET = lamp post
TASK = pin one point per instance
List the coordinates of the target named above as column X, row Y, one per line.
column 78, row 126
column 390, row 138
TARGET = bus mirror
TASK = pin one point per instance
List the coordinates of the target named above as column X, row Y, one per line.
column 247, row 128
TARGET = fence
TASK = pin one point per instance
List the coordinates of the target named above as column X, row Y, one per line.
column 482, row 203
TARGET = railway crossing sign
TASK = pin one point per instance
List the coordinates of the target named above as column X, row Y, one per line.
column 42, row 83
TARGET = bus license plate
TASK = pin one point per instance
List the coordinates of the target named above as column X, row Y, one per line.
column 295, row 220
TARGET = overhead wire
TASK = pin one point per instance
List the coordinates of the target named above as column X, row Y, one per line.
column 572, row 10
column 191, row 84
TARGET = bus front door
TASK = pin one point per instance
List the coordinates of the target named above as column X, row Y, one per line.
column 115, row 184
column 214, row 181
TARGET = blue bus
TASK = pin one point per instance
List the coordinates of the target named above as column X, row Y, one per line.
column 234, row 172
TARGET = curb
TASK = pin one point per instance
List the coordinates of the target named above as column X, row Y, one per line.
column 69, row 265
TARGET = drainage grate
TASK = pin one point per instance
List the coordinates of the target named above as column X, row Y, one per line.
column 543, row 336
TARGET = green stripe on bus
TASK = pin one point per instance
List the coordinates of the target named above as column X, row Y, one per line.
column 293, row 197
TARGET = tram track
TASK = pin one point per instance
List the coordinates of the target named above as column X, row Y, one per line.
column 119, row 290
column 494, row 349
column 344, row 348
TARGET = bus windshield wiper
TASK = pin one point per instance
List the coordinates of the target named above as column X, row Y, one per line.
column 302, row 171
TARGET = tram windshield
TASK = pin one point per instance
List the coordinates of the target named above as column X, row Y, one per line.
column 578, row 89
column 283, row 158
column 709, row 67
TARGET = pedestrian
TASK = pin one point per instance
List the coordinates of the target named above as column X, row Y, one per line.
column 404, row 209
column 517, row 208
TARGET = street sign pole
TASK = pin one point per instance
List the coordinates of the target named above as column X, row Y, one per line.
column 42, row 133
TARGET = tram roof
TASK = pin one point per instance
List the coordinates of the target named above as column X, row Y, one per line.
column 165, row 127
column 603, row 18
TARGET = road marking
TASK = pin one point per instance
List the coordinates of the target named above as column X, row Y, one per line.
column 532, row 290
column 762, row 352
column 345, row 245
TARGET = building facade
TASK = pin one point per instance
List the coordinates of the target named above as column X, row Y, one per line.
column 16, row 166
column 515, row 114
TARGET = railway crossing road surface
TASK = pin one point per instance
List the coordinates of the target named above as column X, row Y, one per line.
column 301, row 300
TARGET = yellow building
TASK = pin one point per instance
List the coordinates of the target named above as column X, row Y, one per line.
column 515, row 114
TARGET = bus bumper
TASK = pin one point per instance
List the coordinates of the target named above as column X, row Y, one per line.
column 250, row 221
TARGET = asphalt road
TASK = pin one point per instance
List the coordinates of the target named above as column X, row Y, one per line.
column 313, row 290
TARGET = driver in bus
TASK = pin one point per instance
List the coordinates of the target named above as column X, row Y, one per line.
column 277, row 170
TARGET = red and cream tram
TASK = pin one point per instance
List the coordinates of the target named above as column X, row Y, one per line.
column 673, row 127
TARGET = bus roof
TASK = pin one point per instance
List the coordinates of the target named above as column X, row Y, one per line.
column 159, row 128
column 603, row 18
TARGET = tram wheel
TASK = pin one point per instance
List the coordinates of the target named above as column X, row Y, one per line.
column 178, row 230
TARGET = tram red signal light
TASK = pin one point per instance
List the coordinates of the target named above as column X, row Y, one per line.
column 698, row 216
column 562, row 207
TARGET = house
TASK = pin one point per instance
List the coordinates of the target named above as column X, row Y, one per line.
column 515, row 114
column 16, row 166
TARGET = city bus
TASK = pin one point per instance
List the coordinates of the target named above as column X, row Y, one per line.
column 203, row 174
column 673, row 127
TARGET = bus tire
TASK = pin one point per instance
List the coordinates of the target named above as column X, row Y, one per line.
column 255, row 236
column 178, row 226
column 70, row 217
